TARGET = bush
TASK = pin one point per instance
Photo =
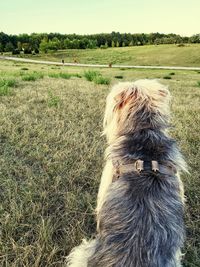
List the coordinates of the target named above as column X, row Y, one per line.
column 172, row 73
column 198, row 83
column 167, row 77
column 32, row 76
column 24, row 68
column 96, row 77
column 8, row 83
column 90, row 75
column 101, row 80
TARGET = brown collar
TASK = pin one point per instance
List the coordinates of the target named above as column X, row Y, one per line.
column 141, row 166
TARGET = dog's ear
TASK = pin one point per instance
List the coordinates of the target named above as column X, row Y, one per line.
column 125, row 97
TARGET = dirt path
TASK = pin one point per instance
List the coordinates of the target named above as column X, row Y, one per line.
column 97, row 65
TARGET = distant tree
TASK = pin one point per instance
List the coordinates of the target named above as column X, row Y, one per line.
column 75, row 44
column 131, row 43
column 195, row 38
column 83, row 43
column 26, row 47
column 55, row 41
column 44, row 45
column 67, row 43
column 158, row 41
column 1, row 47
column 113, row 43
column 19, row 46
column 4, row 39
column 16, row 52
column 9, row 47
column 23, row 38
column 92, row 44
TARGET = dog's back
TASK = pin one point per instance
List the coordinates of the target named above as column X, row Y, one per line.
column 139, row 210
column 141, row 223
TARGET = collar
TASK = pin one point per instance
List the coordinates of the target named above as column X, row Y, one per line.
column 140, row 166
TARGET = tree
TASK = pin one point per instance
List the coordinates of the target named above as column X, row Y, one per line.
column 26, row 47
column 92, row 44
column 44, row 45
column 19, row 46
column 1, row 47
column 195, row 38
column 9, row 47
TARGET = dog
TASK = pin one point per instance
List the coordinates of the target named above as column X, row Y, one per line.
column 140, row 202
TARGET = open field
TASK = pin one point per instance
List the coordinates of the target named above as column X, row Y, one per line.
column 51, row 154
column 156, row 55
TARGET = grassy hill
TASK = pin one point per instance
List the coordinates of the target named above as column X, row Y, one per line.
column 158, row 55
column 51, row 156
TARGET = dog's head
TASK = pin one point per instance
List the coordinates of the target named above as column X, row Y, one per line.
column 137, row 105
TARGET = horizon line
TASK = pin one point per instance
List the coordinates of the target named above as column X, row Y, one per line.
column 98, row 33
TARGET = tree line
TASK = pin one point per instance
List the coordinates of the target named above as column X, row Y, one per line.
column 43, row 42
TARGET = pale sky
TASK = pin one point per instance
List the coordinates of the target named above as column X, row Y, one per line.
column 97, row 16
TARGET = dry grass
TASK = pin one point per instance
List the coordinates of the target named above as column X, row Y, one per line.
column 51, row 157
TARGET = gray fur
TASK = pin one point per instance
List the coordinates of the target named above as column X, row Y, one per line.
column 141, row 221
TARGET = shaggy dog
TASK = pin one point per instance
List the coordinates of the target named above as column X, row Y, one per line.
column 141, row 199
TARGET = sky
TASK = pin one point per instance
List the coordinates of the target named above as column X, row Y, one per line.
column 97, row 16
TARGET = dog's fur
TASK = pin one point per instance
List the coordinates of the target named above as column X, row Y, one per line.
column 139, row 215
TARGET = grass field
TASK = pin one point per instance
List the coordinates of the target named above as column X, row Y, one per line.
column 51, row 156
column 156, row 55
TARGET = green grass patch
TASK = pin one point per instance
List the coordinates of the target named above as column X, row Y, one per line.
column 6, row 85
column 64, row 75
column 76, row 75
column 90, row 75
column 101, row 80
column 32, row 76
column 198, row 83
column 8, row 82
column 54, row 75
column 96, row 77
column 53, row 100
column 5, row 91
